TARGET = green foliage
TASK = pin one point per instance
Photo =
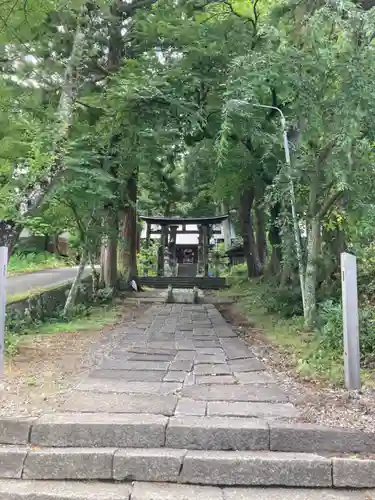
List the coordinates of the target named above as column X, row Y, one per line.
column 237, row 275
column 331, row 335
column 28, row 262
column 285, row 301
column 84, row 318
column 147, row 259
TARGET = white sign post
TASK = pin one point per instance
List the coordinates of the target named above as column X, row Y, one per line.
column 3, row 277
column 350, row 321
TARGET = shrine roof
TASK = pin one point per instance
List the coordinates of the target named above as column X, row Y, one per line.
column 216, row 219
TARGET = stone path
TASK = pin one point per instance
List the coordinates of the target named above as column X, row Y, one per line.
column 166, row 404
column 181, row 359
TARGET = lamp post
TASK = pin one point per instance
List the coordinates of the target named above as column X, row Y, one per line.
column 296, row 230
column 3, row 277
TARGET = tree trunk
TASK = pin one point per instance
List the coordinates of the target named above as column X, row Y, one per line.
column 313, row 250
column 335, row 243
column 95, row 276
column 108, row 252
column 9, row 235
column 250, row 249
column 108, row 257
column 261, row 239
column 274, row 238
column 71, row 298
column 127, row 258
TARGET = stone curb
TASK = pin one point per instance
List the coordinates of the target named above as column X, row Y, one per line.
column 73, row 490
column 215, row 468
column 132, row 430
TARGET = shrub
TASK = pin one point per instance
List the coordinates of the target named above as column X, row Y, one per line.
column 330, row 335
column 238, row 274
column 285, row 301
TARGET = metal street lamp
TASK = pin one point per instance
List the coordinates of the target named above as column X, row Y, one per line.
column 297, row 237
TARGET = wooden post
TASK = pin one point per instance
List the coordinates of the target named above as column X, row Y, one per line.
column 200, row 250
column 350, row 321
column 160, row 270
column 3, row 277
column 148, row 235
column 163, row 244
column 205, row 249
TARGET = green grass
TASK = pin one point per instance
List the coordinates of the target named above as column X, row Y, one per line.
column 95, row 319
column 21, row 263
column 302, row 348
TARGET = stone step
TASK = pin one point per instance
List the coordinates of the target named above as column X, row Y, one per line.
column 72, row 490
column 213, row 468
column 143, row 430
column 183, row 282
column 62, row 490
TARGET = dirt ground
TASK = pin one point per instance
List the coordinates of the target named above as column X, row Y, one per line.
column 47, row 367
column 318, row 402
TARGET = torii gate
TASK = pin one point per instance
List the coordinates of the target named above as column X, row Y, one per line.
column 168, row 228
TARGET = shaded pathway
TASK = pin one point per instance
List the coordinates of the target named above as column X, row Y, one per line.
column 181, row 360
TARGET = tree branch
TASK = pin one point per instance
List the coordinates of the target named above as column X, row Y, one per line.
column 128, row 9
column 237, row 14
column 328, row 203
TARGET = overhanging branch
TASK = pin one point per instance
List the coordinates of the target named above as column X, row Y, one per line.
column 329, row 202
column 128, row 9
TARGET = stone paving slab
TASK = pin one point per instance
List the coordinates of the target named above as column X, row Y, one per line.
column 161, row 491
column 293, row 494
column 11, row 461
column 110, row 364
column 210, row 433
column 151, row 357
column 187, row 406
column 245, row 409
column 99, row 430
column 62, row 490
column 246, row 365
column 15, row 431
column 121, row 403
column 128, row 375
column 353, row 473
column 181, row 365
column 148, row 465
column 223, row 392
column 212, row 369
column 77, row 490
column 254, row 377
column 306, row 437
column 215, row 379
column 175, row 376
column 69, row 463
column 108, row 386
column 256, row 468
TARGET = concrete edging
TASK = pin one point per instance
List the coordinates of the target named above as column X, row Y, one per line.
column 214, row 468
column 206, row 433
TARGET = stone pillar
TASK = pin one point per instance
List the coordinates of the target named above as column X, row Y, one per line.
column 205, row 249
column 173, row 241
column 200, row 250
column 162, row 245
column 148, row 235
